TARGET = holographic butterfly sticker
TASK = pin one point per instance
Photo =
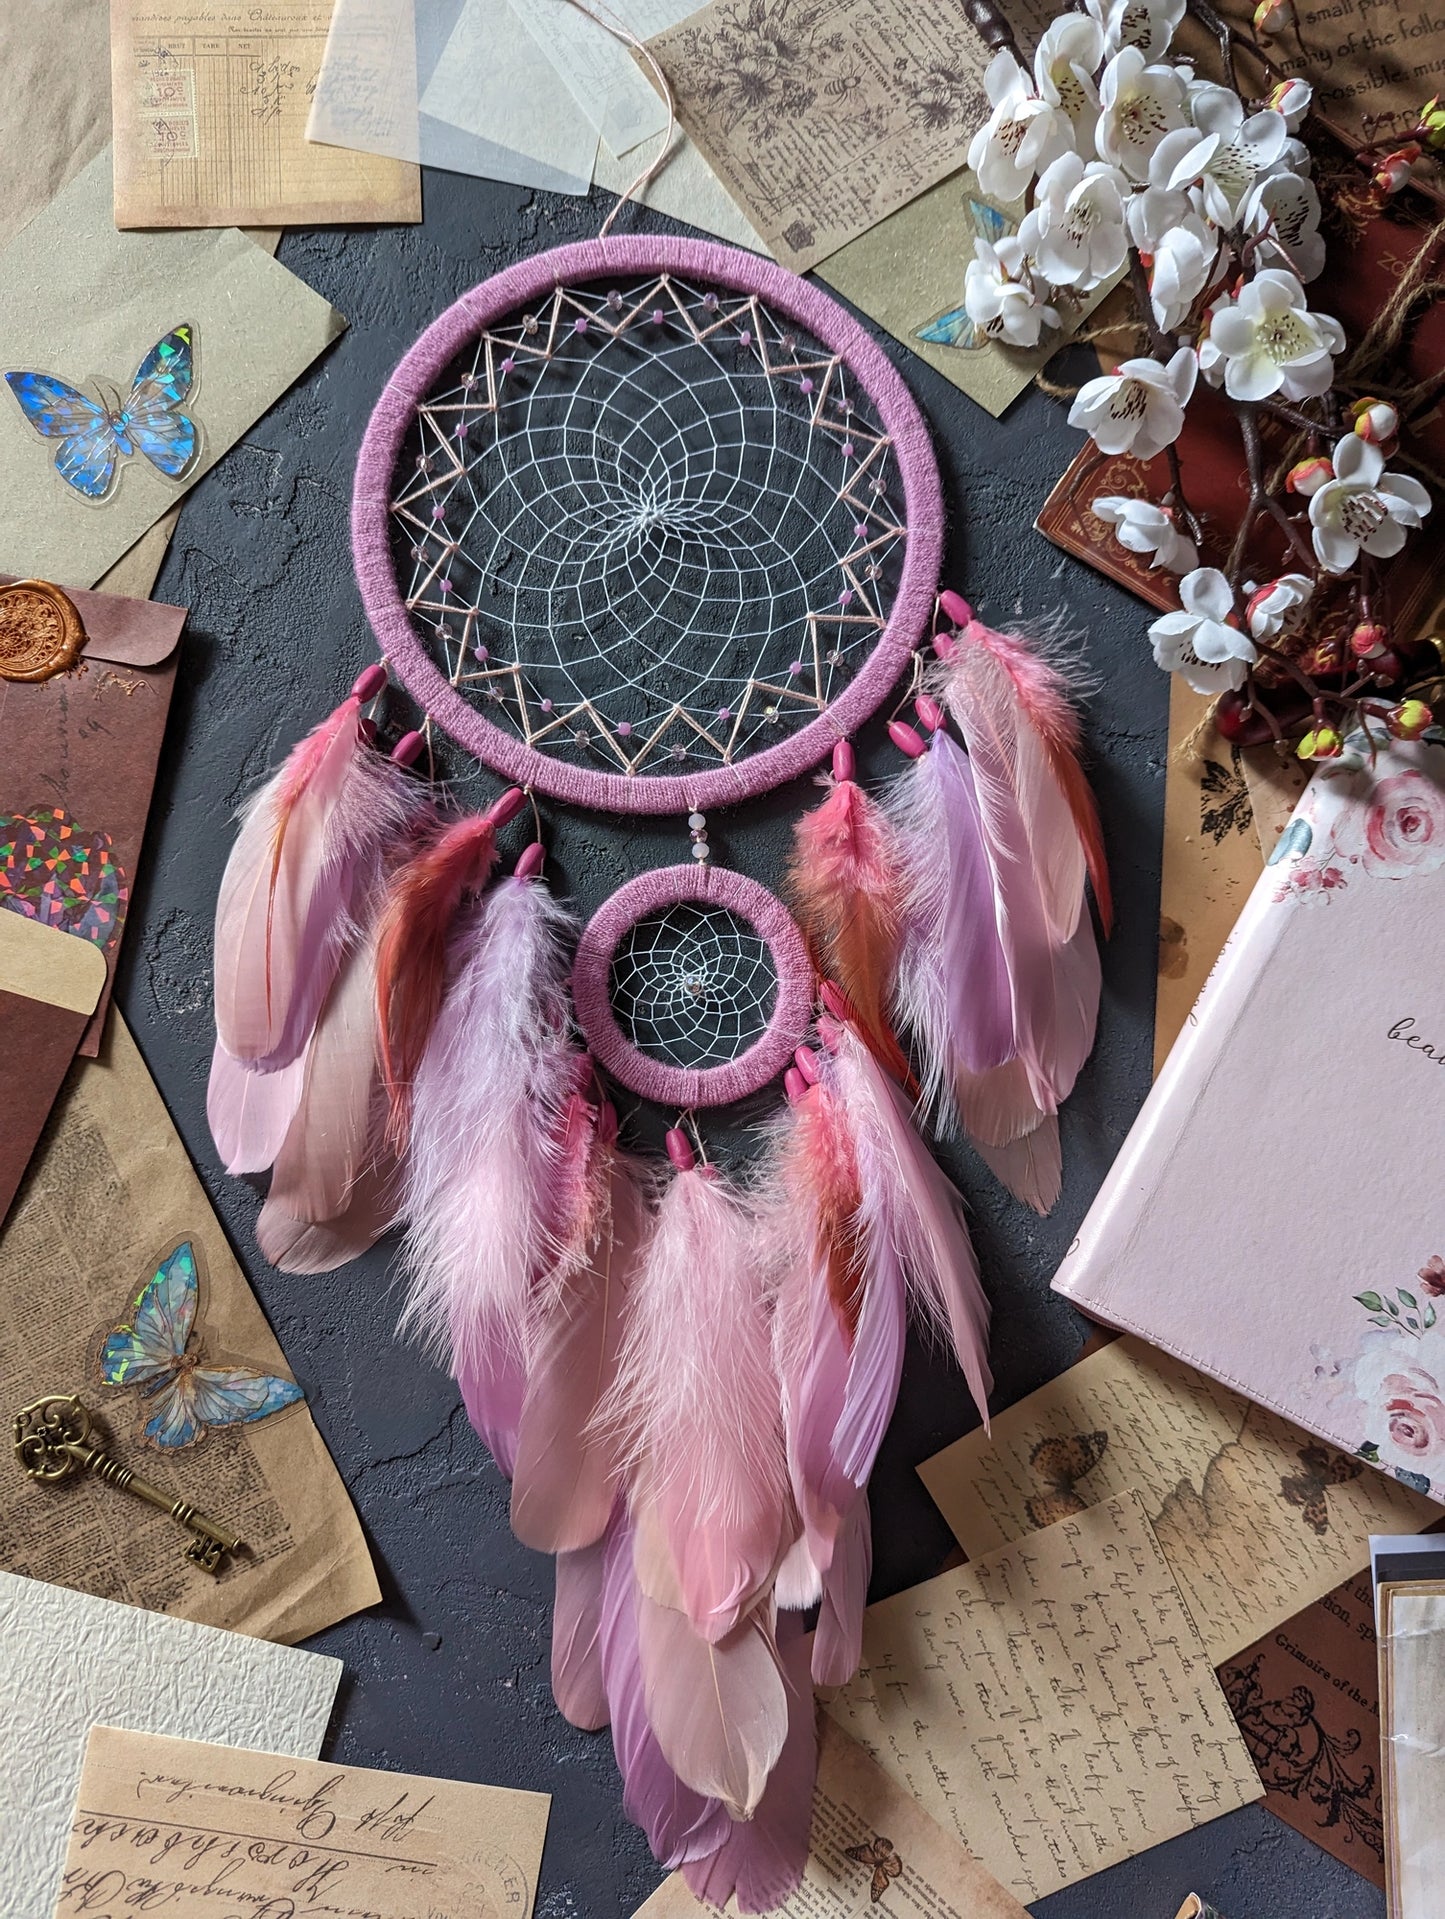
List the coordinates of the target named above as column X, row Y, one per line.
column 954, row 328
column 150, row 1350
column 97, row 431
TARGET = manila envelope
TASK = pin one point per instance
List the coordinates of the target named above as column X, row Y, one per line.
column 49, row 984
column 81, row 751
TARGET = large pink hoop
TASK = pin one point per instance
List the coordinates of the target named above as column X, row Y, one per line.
column 655, row 1079
column 590, row 260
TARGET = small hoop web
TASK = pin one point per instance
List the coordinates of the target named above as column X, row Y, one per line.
column 648, row 526
column 693, row 986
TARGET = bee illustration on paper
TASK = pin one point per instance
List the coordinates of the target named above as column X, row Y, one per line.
column 1308, row 1490
column 1061, row 1462
column 97, row 431
column 882, row 1856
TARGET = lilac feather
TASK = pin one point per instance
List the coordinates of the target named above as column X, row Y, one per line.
column 249, row 1111
column 577, row 1680
column 838, row 1637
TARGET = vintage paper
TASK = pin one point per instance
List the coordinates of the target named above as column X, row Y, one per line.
column 275, row 1836
column 872, row 1849
column 54, row 54
column 685, row 187
column 49, row 984
column 1412, row 1725
column 210, row 99
column 1236, row 1495
column 821, row 117
column 69, row 1662
column 1052, row 1705
column 79, row 300
column 1306, row 1697
column 109, row 1195
column 597, row 68
column 910, row 268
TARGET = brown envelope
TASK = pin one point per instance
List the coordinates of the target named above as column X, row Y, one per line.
column 49, row 984
column 80, row 758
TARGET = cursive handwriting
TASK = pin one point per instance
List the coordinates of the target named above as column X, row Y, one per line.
column 1403, row 1030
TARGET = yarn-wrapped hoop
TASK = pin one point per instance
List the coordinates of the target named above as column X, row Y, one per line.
column 647, row 524
column 693, row 985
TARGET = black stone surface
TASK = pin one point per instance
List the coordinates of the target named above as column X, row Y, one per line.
column 450, row 1674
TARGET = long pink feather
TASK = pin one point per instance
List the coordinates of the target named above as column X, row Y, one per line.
column 248, row 1111
column 764, row 1858
column 488, row 1097
column 577, row 1678
column 838, row 1637
column 320, row 1246
column 284, row 915
column 680, row 1824
column 695, row 1403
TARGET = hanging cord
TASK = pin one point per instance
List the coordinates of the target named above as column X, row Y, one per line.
column 599, row 11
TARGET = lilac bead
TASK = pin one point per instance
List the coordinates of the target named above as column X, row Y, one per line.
column 795, row 667
column 480, row 653
column 439, row 513
column 546, row 706
column 861, row 530
column 579, row 325
column 508, row 364
column 624, row 729
column 806, row 385
column 709, row 300
column 724, row 713
column 658, row 316
column 446, row 586
column 845, row 598
column 745, row 338
column 848, row 450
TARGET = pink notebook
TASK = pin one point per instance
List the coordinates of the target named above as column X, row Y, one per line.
column 1275, row 1217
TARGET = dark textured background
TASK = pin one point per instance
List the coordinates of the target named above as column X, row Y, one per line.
column 450, row 1674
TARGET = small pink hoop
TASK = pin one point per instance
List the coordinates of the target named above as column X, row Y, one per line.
column 655, row 1079
column 587, row 260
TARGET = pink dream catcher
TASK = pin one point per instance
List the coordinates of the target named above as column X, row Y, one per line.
column 651, row 526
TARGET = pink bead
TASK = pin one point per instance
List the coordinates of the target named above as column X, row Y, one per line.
column 408, row 748
column 929, row 711
column 943, row 646
column 368, row 682
column 806, row 1062
column 679, row 1150
column 845, row 762
column 507, row 807
column 794, row 1085
column 530, row 864
column 956, row 607
column 906, row 739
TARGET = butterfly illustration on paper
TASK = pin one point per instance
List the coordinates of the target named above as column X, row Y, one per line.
column 879, row 1853
column 1307, row 1490
column 1224, row 803
column 954, row 328
column 97, row 432
column 150, row 1350
column 1061, row 1462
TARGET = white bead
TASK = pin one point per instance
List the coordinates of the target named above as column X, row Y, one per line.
column 700, row 849
column 696, row 820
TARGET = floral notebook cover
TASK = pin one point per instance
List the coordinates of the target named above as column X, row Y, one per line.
column 1274, row 1217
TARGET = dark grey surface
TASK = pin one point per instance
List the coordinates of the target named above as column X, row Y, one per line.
column 450, row 1674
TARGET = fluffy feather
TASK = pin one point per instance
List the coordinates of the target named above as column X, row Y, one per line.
column 764, row 1858
column 489, row 1095
column 284, row 915
column 680, row 1824
column 695, row 1403
column 844, row 883
column 248, row 1111
column 577, row 1680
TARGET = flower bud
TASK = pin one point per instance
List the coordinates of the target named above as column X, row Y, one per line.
column 1292, row 99
column 1308, row 476
column 1393, row 172
column 1408, row 720
column 1432, row 125
column 1321, row 743
column 1323, row 660
column 1273, row 16
column 1369, row 640
column 1376, row 421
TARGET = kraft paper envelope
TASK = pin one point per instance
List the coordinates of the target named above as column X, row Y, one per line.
column 49, row 984
column 69, row 1662
column 286, row 1837
column 80, row 301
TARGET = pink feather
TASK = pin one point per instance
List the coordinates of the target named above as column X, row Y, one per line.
column 283, row 918
column 838, row 1637
column 680, row 1824
column 320, row 1246
column 695, row 1403
column 577, row 1678
column 248, row 1111
column 764, row 1858
column 489, row 1094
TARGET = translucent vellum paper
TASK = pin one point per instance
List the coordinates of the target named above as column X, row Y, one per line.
column 459, row 84
column 1412, row 1727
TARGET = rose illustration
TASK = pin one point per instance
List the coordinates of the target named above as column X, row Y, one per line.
column 1403, row 830
column 1432, row 1276
column 1405, row 1409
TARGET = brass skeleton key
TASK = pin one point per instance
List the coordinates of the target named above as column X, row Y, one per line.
column 52, row 1440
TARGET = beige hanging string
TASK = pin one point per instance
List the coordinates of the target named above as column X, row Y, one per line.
column 599, row 11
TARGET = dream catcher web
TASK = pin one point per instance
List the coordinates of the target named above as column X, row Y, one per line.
column 693, row 986
column 647, row 525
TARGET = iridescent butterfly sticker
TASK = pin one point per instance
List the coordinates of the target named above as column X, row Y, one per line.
column 882, row 1856
column 954, row 328
column 150, row 1350
column 97, row 431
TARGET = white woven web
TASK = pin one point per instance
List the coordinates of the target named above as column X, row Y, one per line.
column 649, row 527
column 694, row 986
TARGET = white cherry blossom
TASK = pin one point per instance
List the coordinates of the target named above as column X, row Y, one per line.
column 1021, row 135
column 1283, row 210
column 1068, row 56
column 1278, row 604
column 1075, row 231
column 1143, row 527
column 1363, row 508
column 1222, row 152
column 999, row 294
column 1266, row 341
column 1149, row 25
column 1152, row 211
column 1138, row 105
column 1180, row 269
column 1140, row 408
column 1198, row 642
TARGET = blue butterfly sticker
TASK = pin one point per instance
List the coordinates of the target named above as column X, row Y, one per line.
column 150, row 1351
column 954, row 328
column 96, row 434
